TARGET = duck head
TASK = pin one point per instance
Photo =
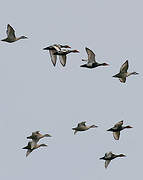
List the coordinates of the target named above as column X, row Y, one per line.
column 23, row 37
column 42, row 145
column 93, row 126
column 122, row 155
column 75, row 51
column 105, row 64
column 128, row 127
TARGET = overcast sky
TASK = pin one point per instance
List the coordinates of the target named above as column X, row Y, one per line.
column 35, row 95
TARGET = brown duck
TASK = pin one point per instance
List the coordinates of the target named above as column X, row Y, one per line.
column 91, row 62
column 110, row 156
column 11, row 35
column 82, row 127
column 117, row 128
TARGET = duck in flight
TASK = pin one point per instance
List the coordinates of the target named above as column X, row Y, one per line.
column 53, row 49
column 91, row 61
column 110, row 156
column 31, row 148
column 82, row 127
column 117, row 128
column 123, row 74
column 63, row 55
column 36, row 136
column 11, row 35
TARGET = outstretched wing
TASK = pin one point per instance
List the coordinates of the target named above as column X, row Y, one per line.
column 63, row 59
column 28, row 152
column 53, row 56
column 57, row 47
column 91, row 55
column 75, row 132
column 118, row 124
column 81, row 124
column 107, row 163
column 116, row 135
column 10, row 32
column 124, row 67
column 108, row 154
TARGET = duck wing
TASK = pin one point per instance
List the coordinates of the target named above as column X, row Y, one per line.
column 10, row 32
column 63, row 59
column 28, row 152
column 116, row 135
column 124, row 67
column 81, row 124
column 91, row 55
column 57, row 47
column 107, row 163
column 33, row 143
column 108, row 154
column 53, row 56
column 118, row 125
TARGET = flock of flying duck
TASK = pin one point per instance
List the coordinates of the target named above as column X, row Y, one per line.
column 57, row 50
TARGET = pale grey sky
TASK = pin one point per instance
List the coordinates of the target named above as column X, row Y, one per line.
column 34, row 95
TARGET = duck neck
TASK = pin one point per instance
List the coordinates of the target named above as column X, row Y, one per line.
column 132, row 73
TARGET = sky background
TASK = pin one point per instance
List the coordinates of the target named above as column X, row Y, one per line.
column 35, row 95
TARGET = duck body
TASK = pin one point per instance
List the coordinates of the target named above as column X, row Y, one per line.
column 63, row 55
column 91, row 62
column 110, row 156
column 53, row 49
column 117, row 128
column 123, row 74
column 11, row 35
column 36, row 136
column 82, row 127
column 30, row 147
column 93, row 65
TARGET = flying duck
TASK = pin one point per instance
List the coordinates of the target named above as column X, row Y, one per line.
column 30, row 148
column 110, row 156
column 123, row 74
column 117, row 128
column 82, row 127
column 36, row 136
column 91, row 62
column 53, row 49
column 63, row 55
column 11, row 35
